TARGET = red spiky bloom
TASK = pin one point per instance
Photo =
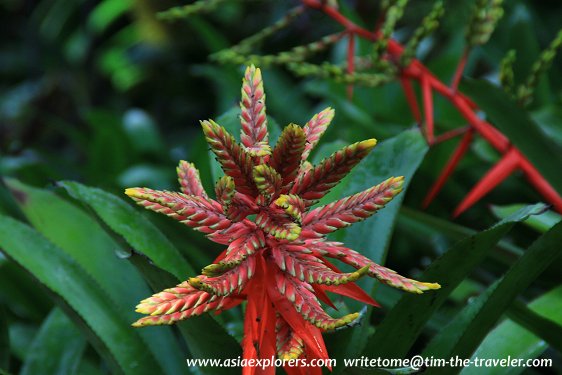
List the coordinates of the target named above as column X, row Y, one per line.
column 277, row 262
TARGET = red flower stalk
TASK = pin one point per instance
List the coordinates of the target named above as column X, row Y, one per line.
column 512, row 158
column 278, row 262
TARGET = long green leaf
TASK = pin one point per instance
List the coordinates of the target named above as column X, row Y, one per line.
column 26, row 300
column 518, row 126
column 497, row 299
column 511, row 339
column 208, row 339
column 64, row 277
column 80, row 236
column 137, row 230
column 398, row 156
column 427, row 225
column 398, row 331
column 546, row 329
column 541, row 223
column 57, row 348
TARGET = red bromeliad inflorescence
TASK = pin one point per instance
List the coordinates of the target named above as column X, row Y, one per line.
column 277, row 262
column 512, row 158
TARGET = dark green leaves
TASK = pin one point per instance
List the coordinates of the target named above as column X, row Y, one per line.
column 57, row 348
column 404, row 322
column 122, row 347
column 509, row 338
column 108, row 267
column 479, row 318
column 138, row 231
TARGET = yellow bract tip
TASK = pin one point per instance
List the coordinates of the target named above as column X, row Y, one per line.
column 131, row 192
column 432, row 285
column 194, row 282
column 281, row 200
column 370, row 143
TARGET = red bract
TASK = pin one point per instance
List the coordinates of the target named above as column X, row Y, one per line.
column 278, row 262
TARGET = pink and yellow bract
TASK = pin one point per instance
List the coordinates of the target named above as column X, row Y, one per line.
column 277, row 262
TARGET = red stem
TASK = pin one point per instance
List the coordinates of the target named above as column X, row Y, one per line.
column 449, row 168
column 350, row 62
column 451, row 134
column 460, row 69
column 498, row 173
column 411, row 98
column 428, row 109
column 416, row 70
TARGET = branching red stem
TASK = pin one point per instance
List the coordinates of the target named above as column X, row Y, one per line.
column 513, row 158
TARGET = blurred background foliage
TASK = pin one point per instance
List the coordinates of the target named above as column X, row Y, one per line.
column 107, row 94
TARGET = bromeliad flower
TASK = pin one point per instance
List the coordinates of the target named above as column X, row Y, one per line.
column 277, row 262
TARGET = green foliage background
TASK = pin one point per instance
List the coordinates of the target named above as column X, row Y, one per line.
column 103, row 94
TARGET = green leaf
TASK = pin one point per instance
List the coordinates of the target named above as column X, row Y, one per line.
column 107, row 12
column 64, row 277
column 478, row 318
column 402, row 325
column 26, row 301
column 109, row 151
column 137, row 230
column 208, row 339
column 511, row 339
column 541, row 223
column 519, row 128
column 101, row 257
column 548, row 120
column 57, row 348
column 398, row 156
column 423, row 227
column 546, row 329
column 4, row 339
column 451, row 334
column 80, row 236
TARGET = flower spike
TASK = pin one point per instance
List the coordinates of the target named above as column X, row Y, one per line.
column 202, row 214
column 289, row 344
column 277, row 251
column 349, row 210
column 235, row 161
column 190, row 182
column 254, row 135
column 228, row 282
column 268, row 181
column 287, row 154
column 317, row 182
column 224, row 191
column 315, row 128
